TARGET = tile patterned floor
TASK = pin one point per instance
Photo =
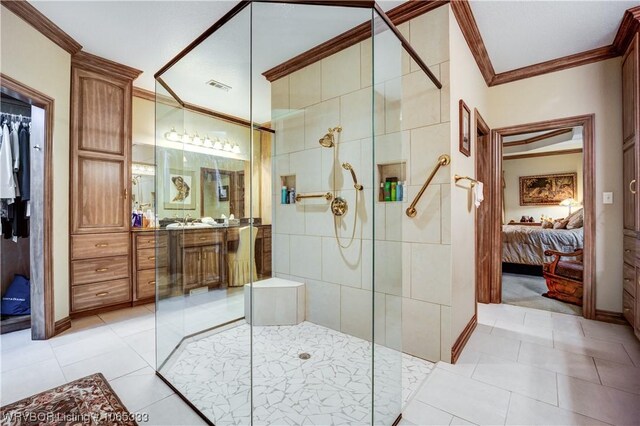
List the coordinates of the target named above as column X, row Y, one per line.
column 596, row 367
column 332, row 387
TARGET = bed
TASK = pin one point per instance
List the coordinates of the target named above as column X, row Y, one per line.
column 526, row 244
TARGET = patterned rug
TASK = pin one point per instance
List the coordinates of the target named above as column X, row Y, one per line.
column 86, row 401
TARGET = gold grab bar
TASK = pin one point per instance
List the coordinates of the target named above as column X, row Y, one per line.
column 443, row 160
column 327, row 196
column 472, row 180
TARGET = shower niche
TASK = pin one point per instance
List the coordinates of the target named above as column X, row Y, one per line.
column 341, row 360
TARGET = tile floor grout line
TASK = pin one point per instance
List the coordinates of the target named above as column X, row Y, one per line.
column 506, row 415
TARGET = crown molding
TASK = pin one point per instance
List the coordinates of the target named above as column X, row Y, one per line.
column 96, row 63
column 397, row 15
column 628, row 27
column 462, row 11
column 41, row 23
column 542, row 154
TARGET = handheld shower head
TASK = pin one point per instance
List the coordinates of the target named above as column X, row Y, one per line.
column 328, row 140
column 349, row 167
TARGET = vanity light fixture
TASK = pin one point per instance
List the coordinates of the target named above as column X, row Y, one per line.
column 143, row 169
column 196, row 140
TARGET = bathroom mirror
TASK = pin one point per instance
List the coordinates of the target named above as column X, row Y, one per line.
column 222, row 192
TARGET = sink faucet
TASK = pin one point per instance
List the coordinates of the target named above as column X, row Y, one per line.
column 186, row 219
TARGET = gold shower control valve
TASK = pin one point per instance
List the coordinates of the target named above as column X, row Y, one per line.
column 339, row 206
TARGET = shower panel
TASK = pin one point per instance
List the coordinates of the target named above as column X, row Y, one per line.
column 316, row 338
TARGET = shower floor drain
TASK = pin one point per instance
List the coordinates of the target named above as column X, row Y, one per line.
column 304, row 355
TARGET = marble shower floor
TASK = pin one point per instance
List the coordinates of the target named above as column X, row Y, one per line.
column 332, row 387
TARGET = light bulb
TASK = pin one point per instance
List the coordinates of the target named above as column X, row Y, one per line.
column 197, row 140
column 217, row 145
column 186, row 138
column 207, row 142
column 236, row 149
column 172, row 135
column 227, row 146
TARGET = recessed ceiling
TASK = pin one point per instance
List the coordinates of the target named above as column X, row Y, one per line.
column 570, row 140
column 522, row 33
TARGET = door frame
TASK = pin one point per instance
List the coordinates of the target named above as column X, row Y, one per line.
column 484, row 149
column 43, row 325
column 495, row 187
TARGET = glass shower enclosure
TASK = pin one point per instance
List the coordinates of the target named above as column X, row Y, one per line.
column 281, row 191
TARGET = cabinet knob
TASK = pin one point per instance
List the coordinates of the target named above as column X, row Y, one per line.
column 632, row 186
column 100, row 245
column 102, row 294
column 102, row 269
column 203, row 238
column 151, row 258
column 627, row 250
column 151, row 282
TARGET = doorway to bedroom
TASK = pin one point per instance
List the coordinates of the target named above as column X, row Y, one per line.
column 539, row 216
column 543, row 217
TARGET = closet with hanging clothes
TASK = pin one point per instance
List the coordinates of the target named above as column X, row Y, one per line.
column 15, row 214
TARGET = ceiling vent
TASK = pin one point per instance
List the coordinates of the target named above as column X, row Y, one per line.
column 218, row 85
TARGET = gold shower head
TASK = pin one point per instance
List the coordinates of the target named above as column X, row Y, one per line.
column 328, row 140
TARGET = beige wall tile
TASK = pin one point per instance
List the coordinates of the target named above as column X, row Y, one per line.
column 323, row 304
column 445, row 333
column 279, row 97
column 426, row 225
column 288, row 218
column 341, row 265
column 281, row 253
column 388, row 267
column 430, row 36
column 445, row 200
column 356, row 312
column 421, row 329
column 319, row 118
column 445, row 93
column 355, row 115
column 393, row 322
column 420, row 101
column 305, row 86
column 366, row 63
column 427, row 144
column 306, row 258
column 289, row 133
column 431, row 273
column 307, row 167
column 341, row 72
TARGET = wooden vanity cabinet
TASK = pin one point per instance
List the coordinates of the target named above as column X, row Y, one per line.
column 199, row 260
column 150, row 264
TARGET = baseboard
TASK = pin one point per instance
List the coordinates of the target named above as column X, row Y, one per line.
column 612, row 317
column 61, row 325
column 458, row 346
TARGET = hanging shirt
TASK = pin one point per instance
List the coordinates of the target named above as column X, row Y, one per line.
column 7, row 182
column 24, row 171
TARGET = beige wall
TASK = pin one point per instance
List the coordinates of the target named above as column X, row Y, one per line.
column 513, row 169
column 32, row 59
column 467, row 84
column 589, row 89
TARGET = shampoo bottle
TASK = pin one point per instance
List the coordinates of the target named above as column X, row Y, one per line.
column 283, row 195
column 394, row 193
column 387, row 191
column 399, row 192
column 292, row 196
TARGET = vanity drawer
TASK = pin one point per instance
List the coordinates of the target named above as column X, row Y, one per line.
column 151, row 258
column 90, row 296
column 96, row 270
column 99, row 245
column 146, row 284
column 628, row 306
column 151, row 240
column 202, row 238
column 629, row 254
column 629, row 276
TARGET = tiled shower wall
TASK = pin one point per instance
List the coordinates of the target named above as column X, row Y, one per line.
column 412, row 255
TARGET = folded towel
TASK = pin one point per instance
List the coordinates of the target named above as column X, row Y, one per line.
column 478, row 193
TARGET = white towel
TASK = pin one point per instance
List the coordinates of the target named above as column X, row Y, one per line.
column 478, row 193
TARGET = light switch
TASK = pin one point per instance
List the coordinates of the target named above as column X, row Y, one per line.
column 607, row 198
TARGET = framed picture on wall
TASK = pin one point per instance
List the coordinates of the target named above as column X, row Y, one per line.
column 544, row 190
column 465, row 129
column 223, row 193
column 178, row 190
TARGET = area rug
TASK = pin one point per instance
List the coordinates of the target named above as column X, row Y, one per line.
column 86, row 401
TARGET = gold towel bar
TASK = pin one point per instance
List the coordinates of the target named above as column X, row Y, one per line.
column 472, row 180
column 443, row 160
column 327, row 196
